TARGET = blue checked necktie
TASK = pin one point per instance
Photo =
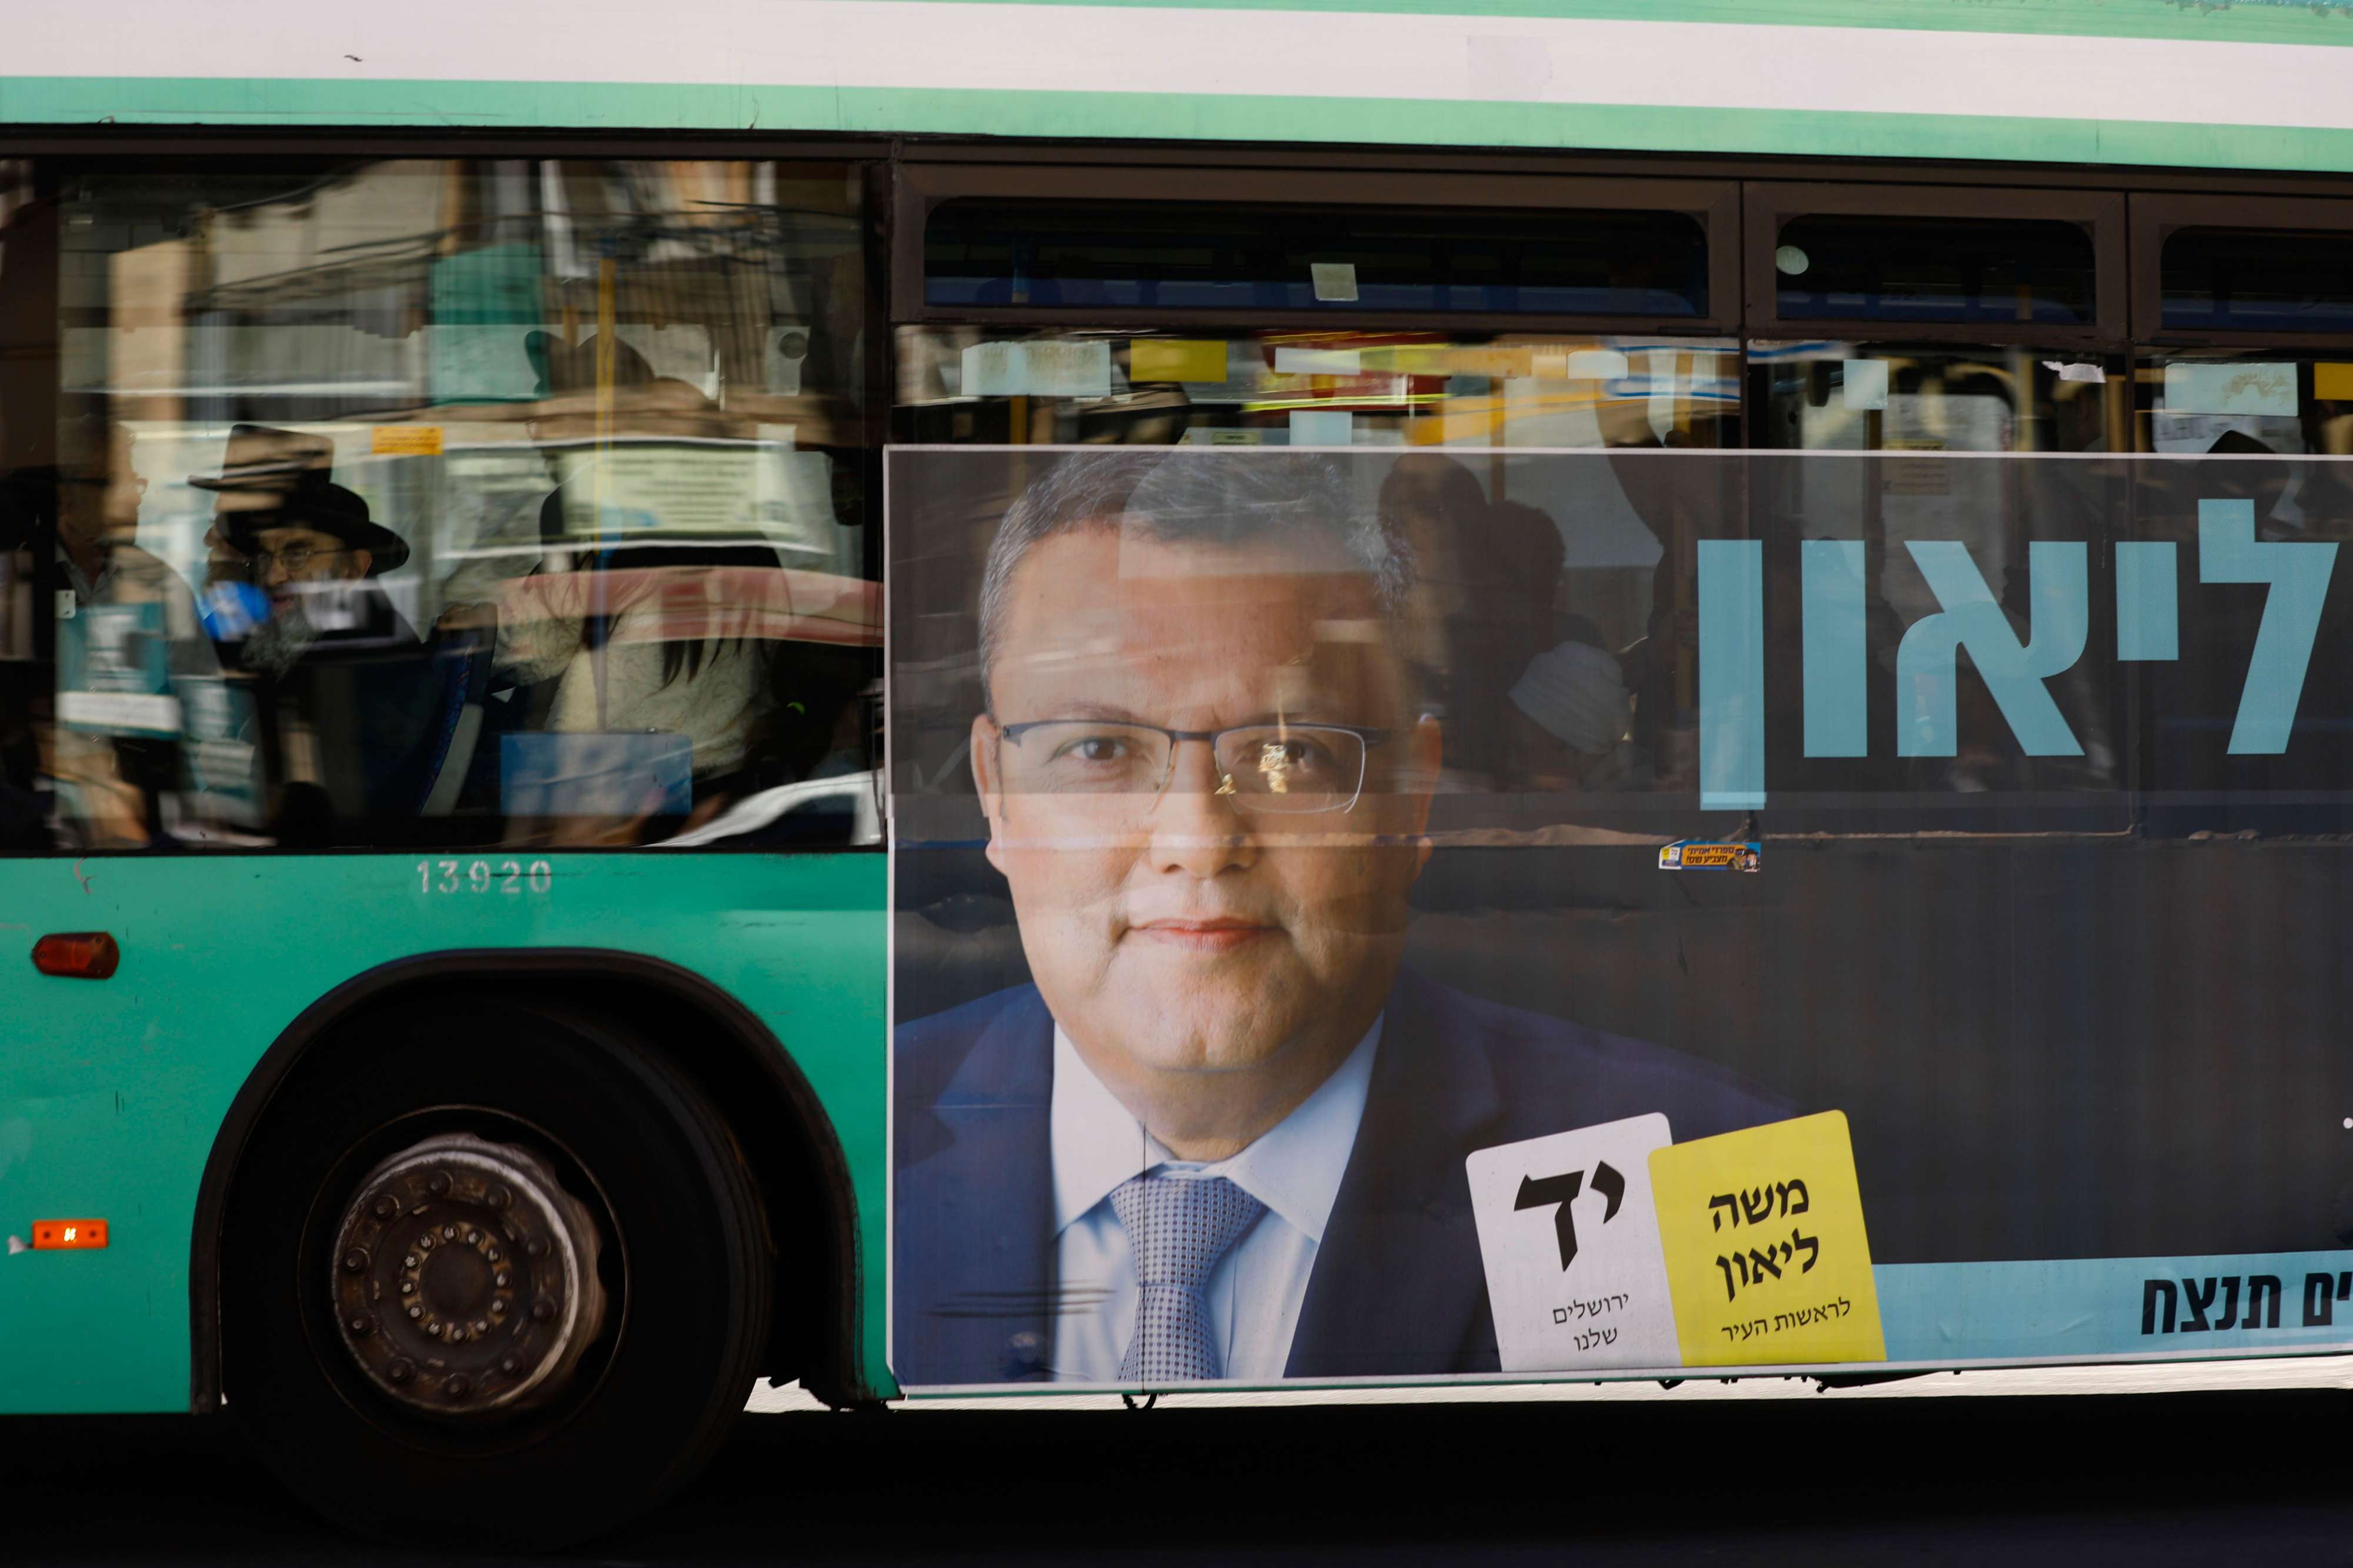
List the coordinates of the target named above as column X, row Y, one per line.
column 1177, row 1227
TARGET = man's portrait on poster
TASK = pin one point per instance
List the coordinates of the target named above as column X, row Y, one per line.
column 1220, row 1133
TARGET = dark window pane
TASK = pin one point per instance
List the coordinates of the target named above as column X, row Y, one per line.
column 1199, row 255
column 2258, row 279
column 1934, row 269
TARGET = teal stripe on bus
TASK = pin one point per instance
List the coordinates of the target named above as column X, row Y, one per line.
column 1428, row 123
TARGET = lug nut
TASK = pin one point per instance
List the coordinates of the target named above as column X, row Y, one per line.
column 480, row 1328
column 424, row 1242
column 501, row 1279
column 459, row 1385
column 536, row 1246
column 498, row 1197
column 399, row 1370
column 358, row 1325
column 510, row 1363
column 415, row 1310
column 449, row 1233
column 354, row 1260
column 493, row 1254
column 438, row 1184
column 410, row 1261
column 542, row 1310
column 386, row 1206
column 473, row 1239
column 457, row 1336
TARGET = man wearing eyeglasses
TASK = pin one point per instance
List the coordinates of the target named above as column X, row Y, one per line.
column 1222, row 1134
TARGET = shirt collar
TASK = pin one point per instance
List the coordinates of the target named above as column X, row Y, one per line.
column 1295, row 1168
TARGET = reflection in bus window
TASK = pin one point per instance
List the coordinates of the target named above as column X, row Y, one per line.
column 2245, row 401
column 1220, row 257
column 1876, row 269
column 1550, row 638
column 2263, row 280
column 1319, row 388
column 1942, row 414
column 425, row 502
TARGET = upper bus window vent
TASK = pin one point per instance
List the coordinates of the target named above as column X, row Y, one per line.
column 1964, row 270
column 1203, row 256
column 2253, row 279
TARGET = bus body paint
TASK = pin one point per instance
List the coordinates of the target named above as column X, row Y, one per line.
column 111, row 1093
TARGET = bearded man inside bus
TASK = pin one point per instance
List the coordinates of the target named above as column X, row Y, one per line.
column 1221, row 1135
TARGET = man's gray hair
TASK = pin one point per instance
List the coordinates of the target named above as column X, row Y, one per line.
column 1175, row 497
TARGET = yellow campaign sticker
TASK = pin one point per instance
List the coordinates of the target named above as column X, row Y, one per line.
column 1768, row 1263
column 405, row 441
column 1176, row 359
column 2334, row 382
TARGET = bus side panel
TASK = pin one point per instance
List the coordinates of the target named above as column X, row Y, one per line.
column 112, row 1092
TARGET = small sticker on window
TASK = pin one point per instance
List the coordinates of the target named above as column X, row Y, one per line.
column 405, row 441
column 1702, row 855
column 2233, row 388
column 1334, row 281
column 1038, row 369
column 1596, row 364
column 1318, row 362
column 1322, row 427
column 1866, row 385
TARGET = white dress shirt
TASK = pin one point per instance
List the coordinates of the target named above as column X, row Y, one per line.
column 1254, row 1293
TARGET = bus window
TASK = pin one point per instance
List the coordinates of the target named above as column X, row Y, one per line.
column 1216, row 386
column 452, row 502
column 1935, row 397
column 981, row 251
column 1532, row 585
column 1887, row 269
column 2247, row 402
column 2249, row 279
column 2237, row 416
column 1942, row 416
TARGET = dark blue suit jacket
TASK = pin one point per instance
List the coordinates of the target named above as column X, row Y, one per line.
column 1398, row 1287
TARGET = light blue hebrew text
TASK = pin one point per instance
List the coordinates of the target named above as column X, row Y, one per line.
column 1731, row 674
column 2013, row 672
column 2298, row 575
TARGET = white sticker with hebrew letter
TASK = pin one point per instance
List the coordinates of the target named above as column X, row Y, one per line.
column 1570, row 1239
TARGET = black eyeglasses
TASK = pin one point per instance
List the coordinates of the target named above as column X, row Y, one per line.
column 1292, row 769
column 295, row 557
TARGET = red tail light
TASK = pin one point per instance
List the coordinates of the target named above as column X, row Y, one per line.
column 77, row 955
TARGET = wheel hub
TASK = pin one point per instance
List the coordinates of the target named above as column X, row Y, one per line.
column 465, row 1278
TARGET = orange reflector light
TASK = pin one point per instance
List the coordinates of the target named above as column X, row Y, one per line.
column 67, row 1234
column 77, row 955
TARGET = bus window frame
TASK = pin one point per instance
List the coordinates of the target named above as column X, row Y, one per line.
column 1770, row 203
column 1714, row 204
column 2157, row 217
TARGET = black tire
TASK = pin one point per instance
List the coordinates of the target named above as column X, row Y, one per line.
column 685, row 1268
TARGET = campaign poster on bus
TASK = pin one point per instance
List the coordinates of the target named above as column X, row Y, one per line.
column 1378, row 913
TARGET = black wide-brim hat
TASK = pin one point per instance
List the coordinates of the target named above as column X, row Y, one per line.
column 329, row 508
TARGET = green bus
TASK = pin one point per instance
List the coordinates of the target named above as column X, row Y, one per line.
column 936, row 697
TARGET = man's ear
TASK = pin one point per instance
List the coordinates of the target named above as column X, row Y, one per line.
column 983, row 756
column 361, row 561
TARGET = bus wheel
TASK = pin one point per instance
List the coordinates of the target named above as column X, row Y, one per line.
column 493, row 1269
